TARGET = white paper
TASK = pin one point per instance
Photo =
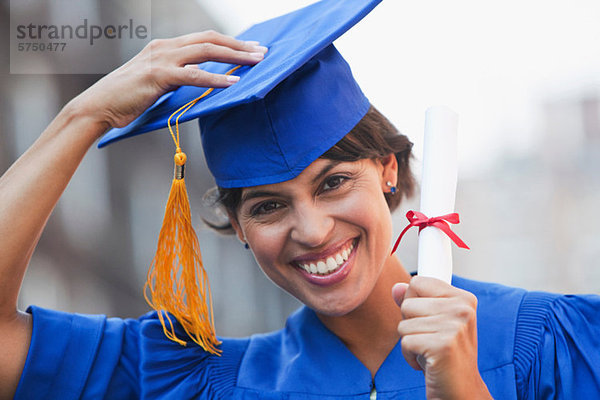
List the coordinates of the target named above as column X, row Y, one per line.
column 438, row 190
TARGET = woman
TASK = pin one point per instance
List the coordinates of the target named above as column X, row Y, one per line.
column 323, row 235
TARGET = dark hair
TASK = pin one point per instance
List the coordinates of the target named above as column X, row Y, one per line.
column 374, row 137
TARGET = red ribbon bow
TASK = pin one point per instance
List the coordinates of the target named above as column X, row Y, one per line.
column 421, row 220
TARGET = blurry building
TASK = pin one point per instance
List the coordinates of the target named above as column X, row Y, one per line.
column 533, row 220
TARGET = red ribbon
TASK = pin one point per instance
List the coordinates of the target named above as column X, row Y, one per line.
column 421, row 220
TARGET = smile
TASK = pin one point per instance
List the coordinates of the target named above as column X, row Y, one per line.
column 330, row 264
column 329, row 268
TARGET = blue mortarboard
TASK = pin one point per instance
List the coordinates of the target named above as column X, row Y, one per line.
column 285, row 112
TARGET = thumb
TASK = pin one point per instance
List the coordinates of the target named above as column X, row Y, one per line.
column 398, row 292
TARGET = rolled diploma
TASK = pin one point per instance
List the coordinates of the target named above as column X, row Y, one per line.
column 438, row 190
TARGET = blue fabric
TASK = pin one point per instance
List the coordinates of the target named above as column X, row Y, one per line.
column 531, row 345
column 559, row 356
column 285, row 112
column 274, row 139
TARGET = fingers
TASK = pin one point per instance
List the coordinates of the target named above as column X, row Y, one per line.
column 437, row 319
column 414, row 348
column 219, row 39
column 428, row 324
column 460, row 306
column 425, row 350
column 425, row 297
column 196, row 77
column 439, row 336
column 425, row 287
column 200, row 52
column 411, row 356
column 422, row 286
column 203, row 46
column 171, row 58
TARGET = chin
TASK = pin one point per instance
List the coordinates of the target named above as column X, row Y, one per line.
column 334, row 307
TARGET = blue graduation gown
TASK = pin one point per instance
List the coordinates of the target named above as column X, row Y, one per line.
column 531, row 345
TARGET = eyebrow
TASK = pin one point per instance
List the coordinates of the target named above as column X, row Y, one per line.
column 258, row 193
column 332, row 164
column 252, row 194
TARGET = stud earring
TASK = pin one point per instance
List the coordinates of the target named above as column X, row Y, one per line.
column 393, row 189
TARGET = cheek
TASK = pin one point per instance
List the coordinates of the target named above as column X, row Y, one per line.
column 367, row 207
column 267, row 255
column 267, row 243
column 371, row 212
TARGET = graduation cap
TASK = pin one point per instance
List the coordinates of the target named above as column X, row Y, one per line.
column 283, row 114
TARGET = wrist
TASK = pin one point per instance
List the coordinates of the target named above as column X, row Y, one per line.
column 81, row 109
column 89, row 122
column 468, row 387
column 75, row 127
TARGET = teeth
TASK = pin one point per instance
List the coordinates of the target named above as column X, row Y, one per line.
column 329, row 265
column 321, row 267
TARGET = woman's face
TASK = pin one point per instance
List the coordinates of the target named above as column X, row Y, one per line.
column 323, row 236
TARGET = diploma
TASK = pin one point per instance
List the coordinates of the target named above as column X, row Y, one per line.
column 438, row 190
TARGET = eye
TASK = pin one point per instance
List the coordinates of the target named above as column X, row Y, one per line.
column 266, row 207
column 333, row 182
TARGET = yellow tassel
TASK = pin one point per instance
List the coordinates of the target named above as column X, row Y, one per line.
column 177, row 281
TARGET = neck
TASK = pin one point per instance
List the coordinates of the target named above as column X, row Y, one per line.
column 370, row 331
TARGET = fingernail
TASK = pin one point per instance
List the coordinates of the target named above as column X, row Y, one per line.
column 232, row 78
column 252, row 43
column 260, row 49
column 259, row 56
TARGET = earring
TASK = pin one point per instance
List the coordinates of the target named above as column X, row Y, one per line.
column 393, row 189
column 246, row 246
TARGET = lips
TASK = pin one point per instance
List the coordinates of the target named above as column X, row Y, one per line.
column 324, row 270
column 328, row 265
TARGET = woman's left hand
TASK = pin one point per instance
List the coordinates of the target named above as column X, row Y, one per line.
column 439, row 330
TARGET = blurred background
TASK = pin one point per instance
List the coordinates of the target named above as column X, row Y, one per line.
column 524, row 77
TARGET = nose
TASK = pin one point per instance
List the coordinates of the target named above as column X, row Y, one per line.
column 312, row 225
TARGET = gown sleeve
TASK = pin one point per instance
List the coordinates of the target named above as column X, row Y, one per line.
column 557, row 347
column 75, row 356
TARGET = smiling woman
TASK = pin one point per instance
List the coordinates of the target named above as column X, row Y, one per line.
column 309, row 173
column 317, row 222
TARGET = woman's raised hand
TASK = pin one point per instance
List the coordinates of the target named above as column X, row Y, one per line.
column 35, row 182
column 164, row 64
column 439, row 330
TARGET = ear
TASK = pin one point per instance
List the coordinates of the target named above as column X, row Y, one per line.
column 389, row 171
column 236, row 227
